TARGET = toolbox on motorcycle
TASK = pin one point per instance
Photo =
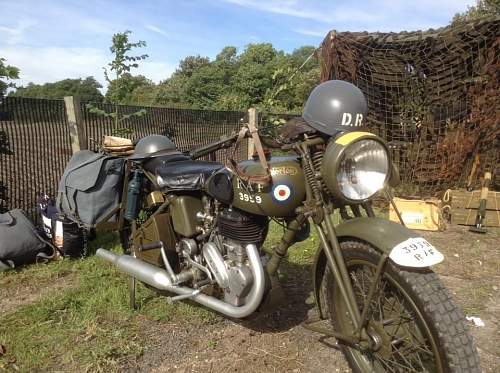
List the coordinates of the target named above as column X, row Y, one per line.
column 90, row 188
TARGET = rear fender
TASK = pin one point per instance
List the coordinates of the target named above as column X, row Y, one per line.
column 382, row 234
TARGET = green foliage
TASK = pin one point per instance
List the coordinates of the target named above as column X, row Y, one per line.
column 482, row 8
column 122, row 84
column 126, row 89
column 86, row 89
column 7, row 73
column 259, row 76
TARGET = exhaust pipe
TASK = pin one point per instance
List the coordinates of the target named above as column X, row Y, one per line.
column 158, row 278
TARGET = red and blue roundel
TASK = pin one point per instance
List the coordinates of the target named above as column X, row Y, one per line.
column 282, row 193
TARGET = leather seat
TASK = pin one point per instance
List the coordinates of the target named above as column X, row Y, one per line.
column 151, row 164
column 185, row 174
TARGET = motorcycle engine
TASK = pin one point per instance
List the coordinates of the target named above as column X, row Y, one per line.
column 226, row 255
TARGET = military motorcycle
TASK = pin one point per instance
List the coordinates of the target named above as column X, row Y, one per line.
column 196, row 229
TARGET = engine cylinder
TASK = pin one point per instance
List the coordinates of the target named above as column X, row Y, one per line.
column 242, row 227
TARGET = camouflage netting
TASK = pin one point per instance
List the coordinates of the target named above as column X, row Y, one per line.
column 432, row 95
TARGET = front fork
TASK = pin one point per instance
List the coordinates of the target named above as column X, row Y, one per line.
column 320, row 217
column 335, row 261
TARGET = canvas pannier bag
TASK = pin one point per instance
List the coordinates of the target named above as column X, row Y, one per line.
column 20, row 242
column 90, row 188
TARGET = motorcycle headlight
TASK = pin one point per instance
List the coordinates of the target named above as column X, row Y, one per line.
column 356, row 166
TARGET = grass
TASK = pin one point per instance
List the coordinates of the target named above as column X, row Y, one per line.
column 85, row 327
column 88, row 326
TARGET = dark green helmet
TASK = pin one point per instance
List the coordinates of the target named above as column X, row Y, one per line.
column 335, row 106
column 153, row 146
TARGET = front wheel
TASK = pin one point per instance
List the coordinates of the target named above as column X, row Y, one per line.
column 413, row 324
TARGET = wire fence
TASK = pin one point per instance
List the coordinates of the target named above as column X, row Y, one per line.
column 35, row 143
column 188, row 129
column 34, row 149
column 433, row 96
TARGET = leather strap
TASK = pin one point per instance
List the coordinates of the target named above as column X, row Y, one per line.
column 232, row 164
column 260, row 151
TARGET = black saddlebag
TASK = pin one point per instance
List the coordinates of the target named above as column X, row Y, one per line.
column 90, row 188
column 20, row 242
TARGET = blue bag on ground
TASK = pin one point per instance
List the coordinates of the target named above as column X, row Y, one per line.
column 90, row 188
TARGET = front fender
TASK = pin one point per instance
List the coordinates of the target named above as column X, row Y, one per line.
column 382, row 234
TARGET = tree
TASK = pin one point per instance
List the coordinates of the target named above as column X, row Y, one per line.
column 293, row 80
column 128, row 84
column 86, row 89
column 259, row 76
column 120, row 67
column 481, row 9
column 7, row 73
column 190, row 64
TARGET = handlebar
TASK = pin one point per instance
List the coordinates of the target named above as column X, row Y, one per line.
column 223, row 143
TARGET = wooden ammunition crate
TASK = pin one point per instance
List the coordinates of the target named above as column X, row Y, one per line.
column 464, row 207
column 418, row 214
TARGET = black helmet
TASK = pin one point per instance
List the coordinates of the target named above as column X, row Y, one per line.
column 335, row 106
column 153, row 146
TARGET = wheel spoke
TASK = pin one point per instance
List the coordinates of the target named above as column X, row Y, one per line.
column 390, row 310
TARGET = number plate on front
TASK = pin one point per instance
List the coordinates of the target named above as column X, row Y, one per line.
column 416, row 252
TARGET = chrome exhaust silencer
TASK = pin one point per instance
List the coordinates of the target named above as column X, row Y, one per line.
column 159, row 278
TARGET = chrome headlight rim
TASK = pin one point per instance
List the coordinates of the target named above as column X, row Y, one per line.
column 334, row 156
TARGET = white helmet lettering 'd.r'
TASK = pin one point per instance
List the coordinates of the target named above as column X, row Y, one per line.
column 347, row 120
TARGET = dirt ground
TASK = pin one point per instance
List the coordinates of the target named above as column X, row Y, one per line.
column 278, row 343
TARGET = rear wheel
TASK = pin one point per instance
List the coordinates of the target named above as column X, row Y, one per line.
column 413, row 324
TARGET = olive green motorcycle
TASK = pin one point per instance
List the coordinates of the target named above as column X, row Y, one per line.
column 196, row 230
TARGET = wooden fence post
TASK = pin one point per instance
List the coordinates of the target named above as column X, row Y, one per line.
column 75, row 122
column 253, row 117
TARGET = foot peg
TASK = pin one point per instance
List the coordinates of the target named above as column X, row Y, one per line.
column 171, row 300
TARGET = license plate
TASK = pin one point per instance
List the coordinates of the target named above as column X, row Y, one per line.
column 416, row 252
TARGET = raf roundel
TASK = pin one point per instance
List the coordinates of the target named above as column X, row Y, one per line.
column 282, row 192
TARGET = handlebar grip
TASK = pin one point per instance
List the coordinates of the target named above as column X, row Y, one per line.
column 151, row 246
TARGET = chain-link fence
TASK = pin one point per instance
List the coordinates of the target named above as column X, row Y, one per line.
column 433, row 96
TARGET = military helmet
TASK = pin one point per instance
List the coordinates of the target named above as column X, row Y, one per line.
column 153, row 146
column 335, row 106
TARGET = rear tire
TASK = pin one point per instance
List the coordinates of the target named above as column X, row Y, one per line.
column 429, row 322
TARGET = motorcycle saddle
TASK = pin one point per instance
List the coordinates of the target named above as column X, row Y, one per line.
column 151, row 164
column 185, row 174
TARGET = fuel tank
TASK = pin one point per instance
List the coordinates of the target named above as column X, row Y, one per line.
column 280, row 198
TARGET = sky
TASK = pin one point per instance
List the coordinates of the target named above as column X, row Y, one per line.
column 53, row 40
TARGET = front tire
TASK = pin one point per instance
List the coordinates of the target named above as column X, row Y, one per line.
column 412, row 316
